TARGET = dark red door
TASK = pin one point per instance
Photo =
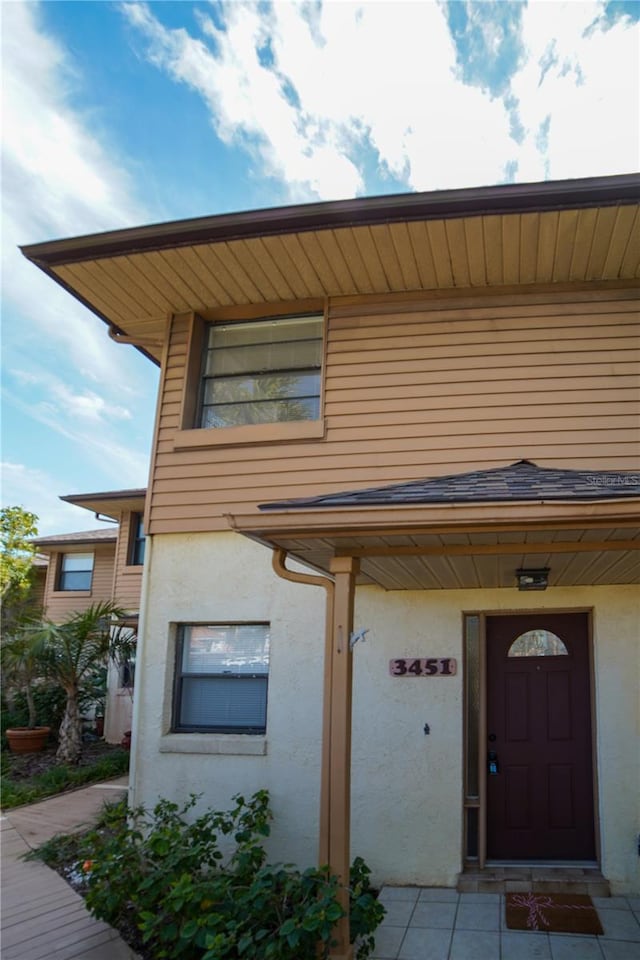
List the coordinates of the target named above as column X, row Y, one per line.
column 539, row 754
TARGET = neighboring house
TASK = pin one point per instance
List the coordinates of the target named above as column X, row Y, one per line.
column 416, row 396
column 96, row 566
column 40, row 566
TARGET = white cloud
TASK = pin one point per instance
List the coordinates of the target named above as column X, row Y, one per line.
column 117, row 462
column 304, row 94
column 35, row 490
column 70, row 403
column 305, row 88
column 88, row 405
column 587, row 83
column 58, row 180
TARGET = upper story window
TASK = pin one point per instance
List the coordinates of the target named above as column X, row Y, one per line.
column 76, row 571
column 265, row 371
column 137, row 541
column 221, row 678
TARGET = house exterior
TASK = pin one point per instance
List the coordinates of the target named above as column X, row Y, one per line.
column 388, row 415
column 100, row 566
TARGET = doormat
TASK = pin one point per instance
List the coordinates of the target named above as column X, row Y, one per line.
column 552, row 913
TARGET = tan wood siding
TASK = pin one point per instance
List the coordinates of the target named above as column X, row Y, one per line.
column 60, row 603
column 127, row 579
column 417, row 387
column 39, row 585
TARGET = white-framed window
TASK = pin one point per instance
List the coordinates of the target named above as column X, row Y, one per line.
column 222, row 675
column 76, row 571
column 262, row 371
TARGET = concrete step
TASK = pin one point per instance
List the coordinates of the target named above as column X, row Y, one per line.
column 534, row 879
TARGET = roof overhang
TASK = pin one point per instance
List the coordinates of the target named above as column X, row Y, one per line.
column 111, row 503
column 556, row 232
column 461, row 546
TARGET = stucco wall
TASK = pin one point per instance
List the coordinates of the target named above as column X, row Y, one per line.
column 407, row 786
column 221, row 577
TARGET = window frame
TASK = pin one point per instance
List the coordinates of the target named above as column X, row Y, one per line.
column 211, row 325
column 181, row 728
column 60, row 573
column 136, row 541
column 190, row 436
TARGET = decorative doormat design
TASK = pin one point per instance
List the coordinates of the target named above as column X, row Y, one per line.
column 552, row 913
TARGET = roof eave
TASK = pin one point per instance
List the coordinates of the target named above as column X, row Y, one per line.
column 110, row 503
column 348, row 521
column 133, row 494
column 441, row 204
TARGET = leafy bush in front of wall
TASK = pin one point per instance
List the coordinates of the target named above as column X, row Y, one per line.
column 168, row 876
column 366, row 913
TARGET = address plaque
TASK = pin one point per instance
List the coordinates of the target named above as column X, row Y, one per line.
column 423, row 667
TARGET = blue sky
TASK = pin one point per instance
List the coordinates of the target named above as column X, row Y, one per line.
column 119, row 114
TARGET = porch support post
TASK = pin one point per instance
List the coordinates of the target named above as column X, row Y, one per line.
column 335, row 812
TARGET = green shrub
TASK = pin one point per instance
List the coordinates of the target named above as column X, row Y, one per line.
column 365, row 912
column 168, row 876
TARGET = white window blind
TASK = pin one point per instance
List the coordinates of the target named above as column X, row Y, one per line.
column 223, row 677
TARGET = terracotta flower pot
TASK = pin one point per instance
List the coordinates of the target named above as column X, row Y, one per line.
column 27, row 739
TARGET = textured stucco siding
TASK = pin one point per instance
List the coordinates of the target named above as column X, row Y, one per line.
column 406, row 786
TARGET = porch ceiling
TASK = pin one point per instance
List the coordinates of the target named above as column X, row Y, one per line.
column 445, row 550
column 567, row 232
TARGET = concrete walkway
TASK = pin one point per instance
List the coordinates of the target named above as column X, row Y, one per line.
column 442, row 924
column 43, row 918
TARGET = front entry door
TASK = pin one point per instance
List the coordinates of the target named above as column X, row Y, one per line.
column 539, row 751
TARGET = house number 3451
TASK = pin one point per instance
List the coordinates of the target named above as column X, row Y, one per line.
column 429, row 667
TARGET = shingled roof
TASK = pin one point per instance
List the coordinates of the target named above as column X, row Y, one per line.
column 523, row 480
column 104, row 535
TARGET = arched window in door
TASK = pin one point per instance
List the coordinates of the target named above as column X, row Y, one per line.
column 538, row 643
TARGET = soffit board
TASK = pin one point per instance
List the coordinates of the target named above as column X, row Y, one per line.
column 111, row 503
column 477, row 560
column 461, row 545
column 138, row 293
column 553, row 233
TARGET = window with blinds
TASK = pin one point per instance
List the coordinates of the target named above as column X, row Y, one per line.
column 76, row 571
column 265, row 371
column 222, row 678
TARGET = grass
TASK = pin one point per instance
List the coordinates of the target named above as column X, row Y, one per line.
column 59, row 778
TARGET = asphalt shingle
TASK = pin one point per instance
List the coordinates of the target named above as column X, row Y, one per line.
column 523, row 480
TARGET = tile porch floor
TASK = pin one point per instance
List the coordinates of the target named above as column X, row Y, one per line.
column 442, row 924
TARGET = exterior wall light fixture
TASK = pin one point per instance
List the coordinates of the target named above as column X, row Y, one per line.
column 533, row 579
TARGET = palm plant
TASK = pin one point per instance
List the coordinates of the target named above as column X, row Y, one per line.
column 72, row 650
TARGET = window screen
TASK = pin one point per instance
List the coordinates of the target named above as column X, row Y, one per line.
column 267, row 371
column 76, row 571
column 222, row 677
